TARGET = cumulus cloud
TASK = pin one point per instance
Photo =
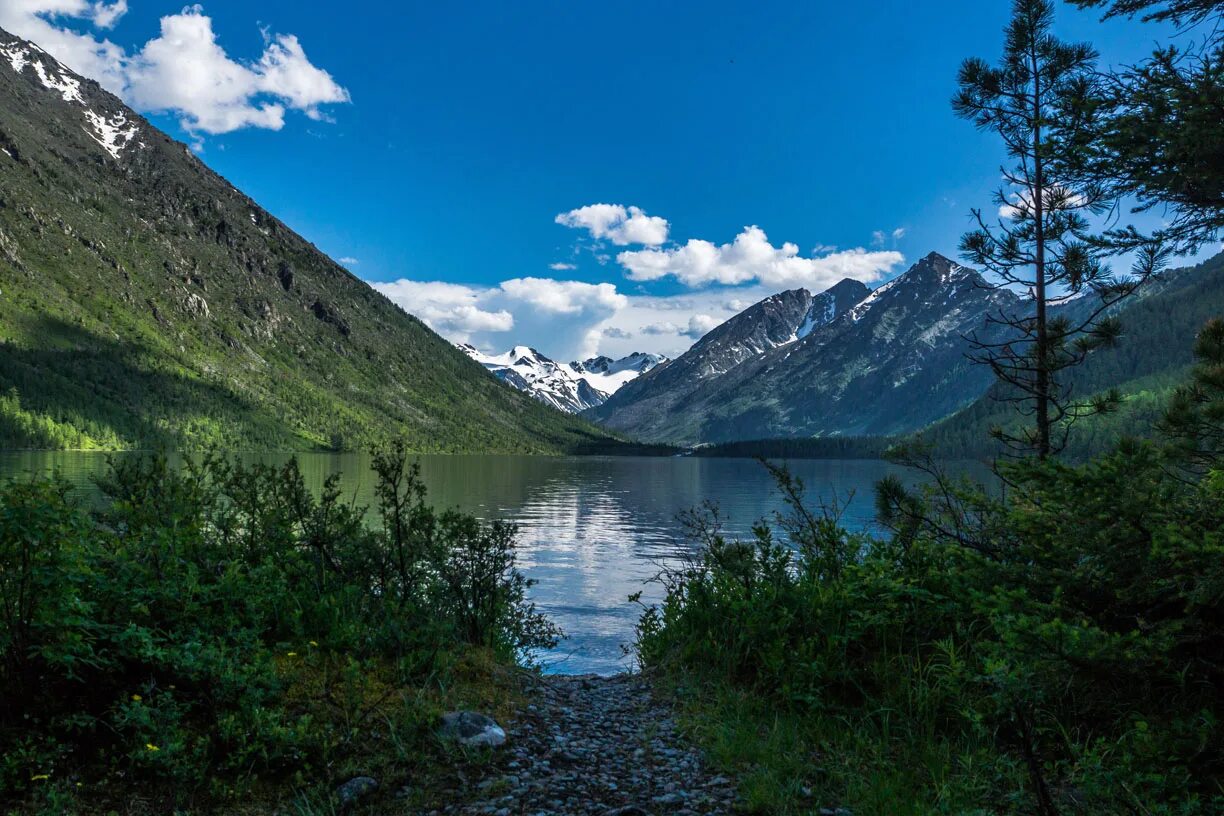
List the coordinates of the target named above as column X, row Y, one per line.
column 698, row 326
column 562, row 267
column 752, row 258
column 451, row 309
column 569, row 320
column 557, row 315
column 616, row 223
column 183, row 71
column 666, row 327
column 347, row 261
column 563, row 297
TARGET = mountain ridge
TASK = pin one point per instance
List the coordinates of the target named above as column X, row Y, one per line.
column 144, row 300
column 572, row 387
column 891, row 362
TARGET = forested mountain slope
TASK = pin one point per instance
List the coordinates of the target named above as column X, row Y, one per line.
column 1151, row 358
column 144, row 300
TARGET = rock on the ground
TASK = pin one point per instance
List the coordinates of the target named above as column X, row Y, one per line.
column 354, row 789
column 585, row 746
column 471, row 729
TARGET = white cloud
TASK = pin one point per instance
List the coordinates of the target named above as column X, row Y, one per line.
column 618, row 224
column 347, row 261
column 569, row 320
column 879, row 238
column 183, row 71
column 559, row 317
column 451, row 309
column 666, row 327
column 563, row 297
column 700, row 325
column 752, row 258
column 562, row 267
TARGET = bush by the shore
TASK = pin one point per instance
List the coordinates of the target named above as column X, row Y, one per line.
column 210, row 631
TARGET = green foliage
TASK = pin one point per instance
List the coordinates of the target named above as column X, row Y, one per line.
column 204, row 628
column 150, row 304
column 1039, row 101
column 1156, row 126
column 1054, row 644
column 1195, row 418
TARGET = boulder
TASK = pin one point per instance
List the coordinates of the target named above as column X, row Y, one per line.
column 356, row 788
column 471, row 729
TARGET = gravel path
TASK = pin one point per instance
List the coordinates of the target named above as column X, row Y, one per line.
column 594, row 745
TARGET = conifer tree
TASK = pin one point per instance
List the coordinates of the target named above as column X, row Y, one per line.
column 1156, row 132
column 1038, row 100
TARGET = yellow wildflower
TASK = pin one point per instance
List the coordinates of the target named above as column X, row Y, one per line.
column 136, row 698
column 151, row 746
column 39, row 777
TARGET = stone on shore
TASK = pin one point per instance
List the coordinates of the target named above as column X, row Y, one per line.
column 472, row 730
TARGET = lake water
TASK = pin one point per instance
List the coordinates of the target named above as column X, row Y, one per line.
column 593, row 530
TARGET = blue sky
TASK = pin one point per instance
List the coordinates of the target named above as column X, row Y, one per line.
column 470, row 127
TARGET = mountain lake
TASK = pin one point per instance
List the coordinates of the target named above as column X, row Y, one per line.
column 592, row 530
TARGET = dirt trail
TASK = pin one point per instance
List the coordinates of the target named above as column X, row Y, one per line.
column 593, row 745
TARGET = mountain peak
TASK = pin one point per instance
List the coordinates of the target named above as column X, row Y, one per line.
column 571, row 388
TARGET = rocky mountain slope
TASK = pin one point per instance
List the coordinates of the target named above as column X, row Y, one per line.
column 884, row 362
column 777, row 320
column 571, row 387
column 144, row 300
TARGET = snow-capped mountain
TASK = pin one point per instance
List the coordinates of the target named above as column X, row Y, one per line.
column 779, row 320
column 107, row 124
column 570, row 387
column 858, row 362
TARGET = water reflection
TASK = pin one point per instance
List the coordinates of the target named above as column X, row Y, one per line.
column 592, row 530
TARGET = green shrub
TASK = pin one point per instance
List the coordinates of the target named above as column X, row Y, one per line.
column 209, row 625
column 1054, row 643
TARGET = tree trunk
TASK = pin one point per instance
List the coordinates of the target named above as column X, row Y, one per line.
column 1042, row 385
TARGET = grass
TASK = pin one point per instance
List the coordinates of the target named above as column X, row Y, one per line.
column 880, row 762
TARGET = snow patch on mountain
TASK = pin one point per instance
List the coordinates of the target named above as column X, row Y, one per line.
column 570, row 387
column 112, row 132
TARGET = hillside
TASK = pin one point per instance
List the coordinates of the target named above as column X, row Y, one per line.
column 1151, row 358
column 651, row 405
column 883, row 363
column 146, row 301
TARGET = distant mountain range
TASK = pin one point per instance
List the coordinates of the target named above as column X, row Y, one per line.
column 847, row 361
column 145, row 301
column 570, row 387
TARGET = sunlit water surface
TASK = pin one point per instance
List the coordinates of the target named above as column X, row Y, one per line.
column 593, row 530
